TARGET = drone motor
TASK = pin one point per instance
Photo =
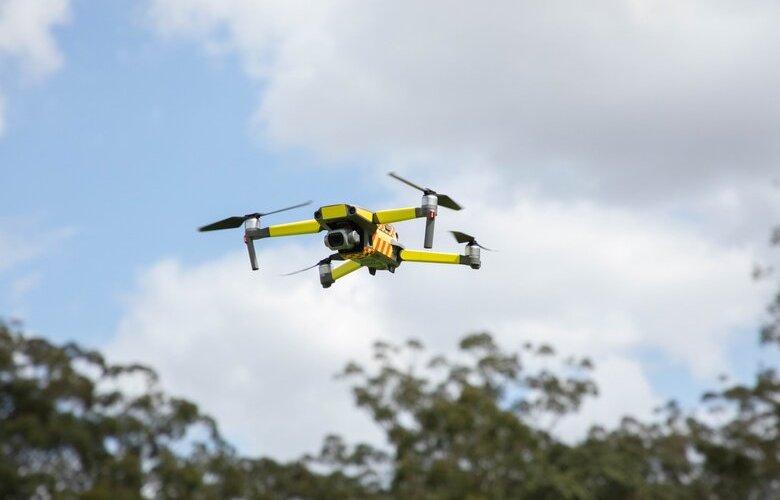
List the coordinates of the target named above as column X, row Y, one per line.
column 251, row 227
column 472, row 252
column 252, row 231
column 431, row 200
column 326, row 274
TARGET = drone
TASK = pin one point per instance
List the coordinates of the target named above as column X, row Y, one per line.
column 359, row 237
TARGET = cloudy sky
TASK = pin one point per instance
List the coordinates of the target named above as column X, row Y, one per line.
column 620, row 154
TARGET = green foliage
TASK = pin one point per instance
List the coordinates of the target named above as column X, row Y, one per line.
column 473, row 430
column 460, row 429
column 74, row 426
column 475, row 425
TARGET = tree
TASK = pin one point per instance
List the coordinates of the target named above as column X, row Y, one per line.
column 72, row 425
column 476, row 426
column 472, row 430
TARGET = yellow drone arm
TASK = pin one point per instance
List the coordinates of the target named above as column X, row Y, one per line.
column 398, row 214
column 290, row 229
column 344, row 269
column 471, row 258
column 433, row 257
column 328, row 276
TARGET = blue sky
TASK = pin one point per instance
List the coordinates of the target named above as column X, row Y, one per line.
column 130, row 147
column 581, row 143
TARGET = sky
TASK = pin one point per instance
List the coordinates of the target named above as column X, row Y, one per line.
column 621, row 155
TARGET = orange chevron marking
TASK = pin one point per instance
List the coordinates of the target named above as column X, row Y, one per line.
column 382, row 246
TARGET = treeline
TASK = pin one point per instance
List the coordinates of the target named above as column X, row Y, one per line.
column 72, row 426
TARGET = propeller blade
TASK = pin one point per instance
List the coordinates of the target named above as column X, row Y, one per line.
column 408, row 183
column 463, row 237
column 446, row 201
column 485, row 248
column 288, row 208
column 236, row 221
column 229, row 223
column 331, row 258
column 467, row 238
column 301, row 270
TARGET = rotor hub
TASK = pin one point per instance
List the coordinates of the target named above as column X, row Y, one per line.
column 473, row 254
column 252, row 223
column 430, row 203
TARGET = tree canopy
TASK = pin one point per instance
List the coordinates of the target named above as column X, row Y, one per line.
column 477, row 426
column 74, row 426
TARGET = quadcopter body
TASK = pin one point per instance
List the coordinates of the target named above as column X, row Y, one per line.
column 359, row 237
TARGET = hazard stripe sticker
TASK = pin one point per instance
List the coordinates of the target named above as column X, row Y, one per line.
column 382, row 246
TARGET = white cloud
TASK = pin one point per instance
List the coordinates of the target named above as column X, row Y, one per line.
column 618, row 278
column 19, row 251
column 627, row 392
column 18, row 245
column 26, row 33
column 630, row 97
column 258, row 350
column 15, row 249
column 540, row 115
column 654, row 120
column 26, row 38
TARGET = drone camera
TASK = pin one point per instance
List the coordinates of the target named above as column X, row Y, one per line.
column 336, row 239
column 342, row 239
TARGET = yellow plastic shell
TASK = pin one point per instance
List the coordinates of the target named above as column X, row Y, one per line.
column 333, row 211
column 395, row 215
column 435, row 257
column 293, row 228
column 345, row 269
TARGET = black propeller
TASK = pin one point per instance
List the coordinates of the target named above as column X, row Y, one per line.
column 467, row 238
column 444, row 200
column 236, row 221
column 326, row 260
